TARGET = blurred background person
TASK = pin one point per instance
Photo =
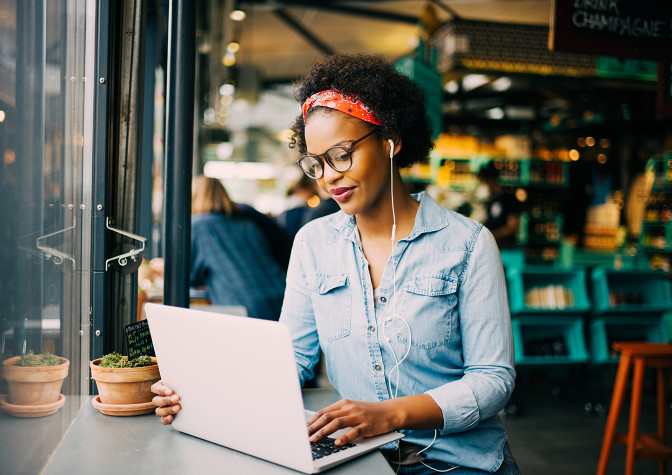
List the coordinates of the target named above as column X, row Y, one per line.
column 301, row 195
column 503, row 209
column 309, row 202
column 230, row 255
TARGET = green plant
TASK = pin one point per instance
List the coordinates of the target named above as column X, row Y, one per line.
column 31, row 359
column 115, row 360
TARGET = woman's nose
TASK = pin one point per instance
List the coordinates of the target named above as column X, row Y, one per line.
column 330, row 175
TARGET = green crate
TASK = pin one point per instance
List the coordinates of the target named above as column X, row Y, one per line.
column 549, row 340
column 522, row 280
column 512, row 257
column 630, row 292
column 606, row 330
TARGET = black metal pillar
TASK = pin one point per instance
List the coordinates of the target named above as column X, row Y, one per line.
column 179, row 140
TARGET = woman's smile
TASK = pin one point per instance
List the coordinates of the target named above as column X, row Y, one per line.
column 342, row 193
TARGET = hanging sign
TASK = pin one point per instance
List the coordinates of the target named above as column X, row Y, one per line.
column 640, row 29
column 664, row 102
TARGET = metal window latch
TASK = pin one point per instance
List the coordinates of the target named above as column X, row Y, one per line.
column 130, row 260
column 51, row 253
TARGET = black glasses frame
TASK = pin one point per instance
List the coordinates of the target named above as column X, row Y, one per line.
column 324, row 157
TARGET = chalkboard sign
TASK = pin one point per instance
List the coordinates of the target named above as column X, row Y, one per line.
column 138, row 340
column 640, row 29
column 664, row 103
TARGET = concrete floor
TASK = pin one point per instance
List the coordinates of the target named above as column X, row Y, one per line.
column 557, row 416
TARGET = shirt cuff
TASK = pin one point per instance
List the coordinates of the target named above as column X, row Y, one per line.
column 458, row 404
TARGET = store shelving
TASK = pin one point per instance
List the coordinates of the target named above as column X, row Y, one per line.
column 606, row 330
column 547, row 306
column 630, row 292
column 535, row 290
column 627, row 305
column 543, row 339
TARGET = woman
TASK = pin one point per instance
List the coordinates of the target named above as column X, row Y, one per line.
column 230, row 255
column 407, row 300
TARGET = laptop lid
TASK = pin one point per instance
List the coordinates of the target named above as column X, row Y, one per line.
column 239, row 385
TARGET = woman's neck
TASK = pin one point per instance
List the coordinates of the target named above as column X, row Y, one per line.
column 378, row 223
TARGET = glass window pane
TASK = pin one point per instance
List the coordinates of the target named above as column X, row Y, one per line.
column 45, row 208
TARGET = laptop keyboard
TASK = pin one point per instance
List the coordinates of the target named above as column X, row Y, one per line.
column 326, row 446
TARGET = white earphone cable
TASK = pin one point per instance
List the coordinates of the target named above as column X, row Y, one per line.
column 394, row 315
column 393, row 394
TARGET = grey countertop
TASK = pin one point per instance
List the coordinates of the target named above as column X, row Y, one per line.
column 101, row 444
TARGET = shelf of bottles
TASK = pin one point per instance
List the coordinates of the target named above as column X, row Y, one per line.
column 541, row 229
column 656, row 237
column 460, row 173
column 550, row 174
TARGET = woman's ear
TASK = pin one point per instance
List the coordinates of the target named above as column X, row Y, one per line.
column 394, row 146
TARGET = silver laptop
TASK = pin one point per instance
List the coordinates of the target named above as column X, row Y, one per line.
column 239, row 386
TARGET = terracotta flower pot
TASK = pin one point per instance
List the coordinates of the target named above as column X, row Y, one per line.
column 125, row 385
column 34, row 385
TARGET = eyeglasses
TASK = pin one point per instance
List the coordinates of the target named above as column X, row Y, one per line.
column 337, row 157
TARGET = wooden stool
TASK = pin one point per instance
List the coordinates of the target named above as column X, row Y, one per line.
column 639, row 446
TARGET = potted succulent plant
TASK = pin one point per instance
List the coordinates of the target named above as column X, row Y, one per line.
column 35, row 383
column 124, row 386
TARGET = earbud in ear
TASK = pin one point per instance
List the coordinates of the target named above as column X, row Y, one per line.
column 391, row 142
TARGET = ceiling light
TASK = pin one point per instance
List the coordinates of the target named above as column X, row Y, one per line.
column 237, row 15
column 496, row 113
column 2, row 116
column 227, row 89
column 209, row 116
column 229, row 59
column 452, row 87
column 502, row 84
column 233, row 47
column 239, row 170
column 472, row 81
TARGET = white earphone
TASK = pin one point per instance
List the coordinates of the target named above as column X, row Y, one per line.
column 390, row 319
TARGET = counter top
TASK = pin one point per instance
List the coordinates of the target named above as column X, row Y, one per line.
column 103, row 444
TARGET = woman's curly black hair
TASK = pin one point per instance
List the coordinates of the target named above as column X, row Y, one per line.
column 395, row 100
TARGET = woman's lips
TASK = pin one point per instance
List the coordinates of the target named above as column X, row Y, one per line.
column 341, row 194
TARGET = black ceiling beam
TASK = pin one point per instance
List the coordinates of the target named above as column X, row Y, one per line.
column 295, row 25
column 446, row 8
column 335, row 7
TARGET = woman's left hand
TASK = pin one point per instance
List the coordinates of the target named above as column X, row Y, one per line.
column 365, row 419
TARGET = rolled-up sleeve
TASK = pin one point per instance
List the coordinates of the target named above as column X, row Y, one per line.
column 487, row 342
column 297, row 312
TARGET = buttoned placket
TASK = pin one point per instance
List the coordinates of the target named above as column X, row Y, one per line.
column 375, row 354
column 373, row 312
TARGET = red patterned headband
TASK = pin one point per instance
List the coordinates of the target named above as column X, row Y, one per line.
column 341, row 102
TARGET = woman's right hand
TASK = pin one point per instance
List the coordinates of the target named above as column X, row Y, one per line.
column 165, row 402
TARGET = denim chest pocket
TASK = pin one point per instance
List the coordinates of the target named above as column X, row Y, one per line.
column 332, row 304
column 431, row 303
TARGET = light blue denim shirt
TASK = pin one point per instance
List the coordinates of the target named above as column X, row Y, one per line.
column 450, row 289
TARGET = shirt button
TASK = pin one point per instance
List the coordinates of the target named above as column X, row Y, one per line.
column 372, row 329
column 377, row 367
column 383, row 299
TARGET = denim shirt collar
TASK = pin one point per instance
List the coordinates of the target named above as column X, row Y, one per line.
column 429, row 218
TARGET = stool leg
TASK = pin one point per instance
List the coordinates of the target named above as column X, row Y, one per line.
column 635, row 405
column 660, row 381
column 614, row 410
